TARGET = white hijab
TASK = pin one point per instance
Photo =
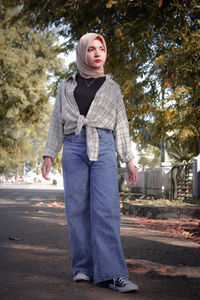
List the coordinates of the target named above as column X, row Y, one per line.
column 81, row 59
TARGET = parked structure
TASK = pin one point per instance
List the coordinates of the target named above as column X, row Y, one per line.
column 179, row 181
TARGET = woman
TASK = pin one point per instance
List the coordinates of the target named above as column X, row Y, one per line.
column 89, row 118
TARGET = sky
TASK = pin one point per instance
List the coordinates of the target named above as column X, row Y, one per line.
column 69, row 58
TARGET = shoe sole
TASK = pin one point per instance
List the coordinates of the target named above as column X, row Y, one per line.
column 131, row 290
column 81, row 280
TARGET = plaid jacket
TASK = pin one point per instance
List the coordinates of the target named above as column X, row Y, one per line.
column 107, row 111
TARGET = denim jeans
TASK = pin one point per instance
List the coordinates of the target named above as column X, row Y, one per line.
column 92, row 207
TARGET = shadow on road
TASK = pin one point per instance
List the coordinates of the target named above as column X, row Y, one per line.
column 36, row 261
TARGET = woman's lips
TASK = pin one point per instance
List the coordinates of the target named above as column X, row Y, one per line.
column 98, row 60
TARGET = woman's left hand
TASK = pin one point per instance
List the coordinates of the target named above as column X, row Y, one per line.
column 132, row 172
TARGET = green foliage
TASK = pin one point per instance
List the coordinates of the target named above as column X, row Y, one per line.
column 28, row 60
column 61, row 74
column 180, row 153
column 153, row 52
column 149, row 157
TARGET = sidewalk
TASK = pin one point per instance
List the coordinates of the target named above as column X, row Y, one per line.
column 36, row 261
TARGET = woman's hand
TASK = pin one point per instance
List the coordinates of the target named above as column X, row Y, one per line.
column 132, row 172
column 46, row 167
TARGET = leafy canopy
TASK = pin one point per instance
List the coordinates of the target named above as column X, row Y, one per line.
column 28, row 59
column 153, row 54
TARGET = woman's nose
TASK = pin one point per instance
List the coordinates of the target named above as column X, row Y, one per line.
column 97, row 52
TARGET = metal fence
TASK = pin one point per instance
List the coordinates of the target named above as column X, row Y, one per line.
column 153, row 182
column 180, row 181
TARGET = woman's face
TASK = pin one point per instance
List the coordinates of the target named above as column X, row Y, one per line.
column 96, row 54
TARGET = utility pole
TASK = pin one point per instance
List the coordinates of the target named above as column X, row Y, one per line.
column 165, row 166
column 162, row 144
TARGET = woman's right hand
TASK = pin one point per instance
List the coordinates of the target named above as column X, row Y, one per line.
column 46, row 167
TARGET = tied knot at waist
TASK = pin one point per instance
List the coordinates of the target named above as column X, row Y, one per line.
column 92, row 137
column 82, row 121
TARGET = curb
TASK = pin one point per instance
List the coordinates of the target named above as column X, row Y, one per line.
column 161, row 212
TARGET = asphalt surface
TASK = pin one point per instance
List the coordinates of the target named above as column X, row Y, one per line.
column 35, row 259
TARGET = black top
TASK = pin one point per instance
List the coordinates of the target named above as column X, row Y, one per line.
column 85, row 91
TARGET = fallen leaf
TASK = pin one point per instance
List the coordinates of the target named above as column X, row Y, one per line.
column 128, row 260
column 178, row 227
column 14, row 238
column 55, row 204
column 39, row 204
column 62, row 224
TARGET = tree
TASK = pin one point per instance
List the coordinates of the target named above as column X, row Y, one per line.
column 153, row 46
column 149, row 157
column 28, row 60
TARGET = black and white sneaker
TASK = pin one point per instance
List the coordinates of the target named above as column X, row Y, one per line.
column 123, row 285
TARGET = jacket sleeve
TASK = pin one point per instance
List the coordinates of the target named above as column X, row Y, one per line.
column 55, row 136
column 121, row 131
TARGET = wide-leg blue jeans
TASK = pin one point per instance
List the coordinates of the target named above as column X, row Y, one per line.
column 93, row 208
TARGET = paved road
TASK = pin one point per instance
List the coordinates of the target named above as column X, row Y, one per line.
column 35, row 255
